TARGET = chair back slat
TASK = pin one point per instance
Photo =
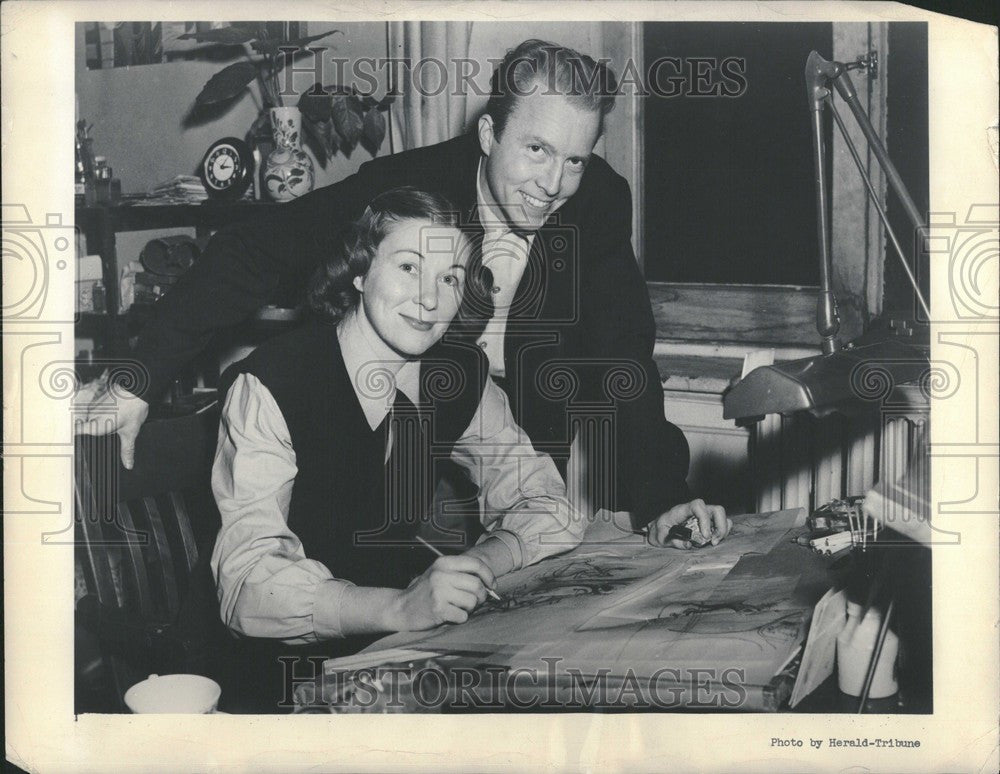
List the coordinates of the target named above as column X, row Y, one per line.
column 97, row 568
column 161, row 545
column 134, row 568
column 140, row 533
column 188, row 541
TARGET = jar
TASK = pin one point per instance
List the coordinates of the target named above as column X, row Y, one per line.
column 855, row 645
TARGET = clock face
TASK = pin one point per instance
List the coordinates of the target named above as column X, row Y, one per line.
column 223, row 165
column 227, row 168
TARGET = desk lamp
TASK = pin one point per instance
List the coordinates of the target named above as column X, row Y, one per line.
column 833, row 380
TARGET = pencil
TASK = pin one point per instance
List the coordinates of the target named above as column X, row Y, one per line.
column 491, row 592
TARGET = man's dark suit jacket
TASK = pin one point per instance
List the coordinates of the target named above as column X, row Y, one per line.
column 579, row 337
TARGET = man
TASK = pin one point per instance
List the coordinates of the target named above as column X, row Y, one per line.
column 573, row 324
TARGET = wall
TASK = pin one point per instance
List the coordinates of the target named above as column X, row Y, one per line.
column 138, row 112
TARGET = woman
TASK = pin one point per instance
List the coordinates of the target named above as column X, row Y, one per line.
column 317, row 541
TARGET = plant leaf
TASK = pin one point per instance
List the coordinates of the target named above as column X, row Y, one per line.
column 226, row 36
column 347, row 121
column 354, row 103
column 333, row 139
column 374, row 130
column 310, row 38
column 316, row 104
column 273, row 46
column 320, row 138
column 387, row 100
column 227, row 83
column 336, row 90
column 260, row 128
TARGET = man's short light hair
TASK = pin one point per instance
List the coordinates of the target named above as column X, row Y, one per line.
column 540, row 67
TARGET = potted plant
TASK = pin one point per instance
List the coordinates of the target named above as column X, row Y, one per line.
column 332, row 117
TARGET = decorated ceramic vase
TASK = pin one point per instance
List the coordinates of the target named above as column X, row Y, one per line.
column 288, row 173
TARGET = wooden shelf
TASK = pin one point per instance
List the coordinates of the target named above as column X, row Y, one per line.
column 100, row 225
column 128, row 215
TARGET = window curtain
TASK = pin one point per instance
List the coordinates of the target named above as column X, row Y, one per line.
column 428, row 111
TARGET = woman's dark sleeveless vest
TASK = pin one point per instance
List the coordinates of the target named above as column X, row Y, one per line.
column 340, row 507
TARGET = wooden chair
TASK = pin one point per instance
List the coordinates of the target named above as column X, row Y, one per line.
column 144, row 538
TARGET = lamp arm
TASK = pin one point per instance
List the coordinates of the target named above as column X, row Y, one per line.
column 878, row 207
column 818, row 71
column 845, row 87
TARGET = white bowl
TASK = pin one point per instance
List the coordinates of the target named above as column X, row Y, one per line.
column 188, row 694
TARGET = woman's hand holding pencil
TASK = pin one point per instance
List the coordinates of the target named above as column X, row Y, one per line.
column 446, row 592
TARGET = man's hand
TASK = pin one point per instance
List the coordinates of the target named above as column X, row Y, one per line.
column 112, row 410
column 446, row 593
column 712, row 521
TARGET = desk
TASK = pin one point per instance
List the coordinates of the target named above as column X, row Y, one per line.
column 613, row 625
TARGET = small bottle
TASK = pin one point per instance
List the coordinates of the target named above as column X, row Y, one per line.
column 102, row 179
column 99, row 299
column 86, row 161
column 855, row 646
column 80, row 181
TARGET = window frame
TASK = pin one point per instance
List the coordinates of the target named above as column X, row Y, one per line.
column 771, row 315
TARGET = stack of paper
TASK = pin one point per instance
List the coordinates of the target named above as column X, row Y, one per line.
column 183, row 189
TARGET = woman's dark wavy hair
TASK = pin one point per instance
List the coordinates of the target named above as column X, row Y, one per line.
column 331, row 295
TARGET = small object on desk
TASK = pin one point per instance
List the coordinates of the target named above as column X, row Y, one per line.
column 367, row 659
column 227, row 168
column 89, row 286
column 183, row 189
column 866, row 654
column 679, row 532
column 85, row 163
column 698, row 538
column 836, row 515
column 106, row 188
column 493, row 595
column 689, row 531
column 174, row 694
column 832, row 544
column 81, row 166
column 170, row 256
column 820, row 653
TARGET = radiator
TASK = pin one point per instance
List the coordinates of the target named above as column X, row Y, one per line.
column 802, row 461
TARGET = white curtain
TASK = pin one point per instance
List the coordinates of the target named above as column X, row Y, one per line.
column 432, row 113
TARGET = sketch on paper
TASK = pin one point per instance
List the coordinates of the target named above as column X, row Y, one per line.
column 762, row 625
column 577, row 578
column 626, row 600
column 699, row 600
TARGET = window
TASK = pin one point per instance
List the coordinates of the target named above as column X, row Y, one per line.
column 724, row 188
column 733, row 196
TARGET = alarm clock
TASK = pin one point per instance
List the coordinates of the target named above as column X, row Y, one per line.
column 227, row 168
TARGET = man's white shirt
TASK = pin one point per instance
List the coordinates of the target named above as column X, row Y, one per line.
column 505, row 254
